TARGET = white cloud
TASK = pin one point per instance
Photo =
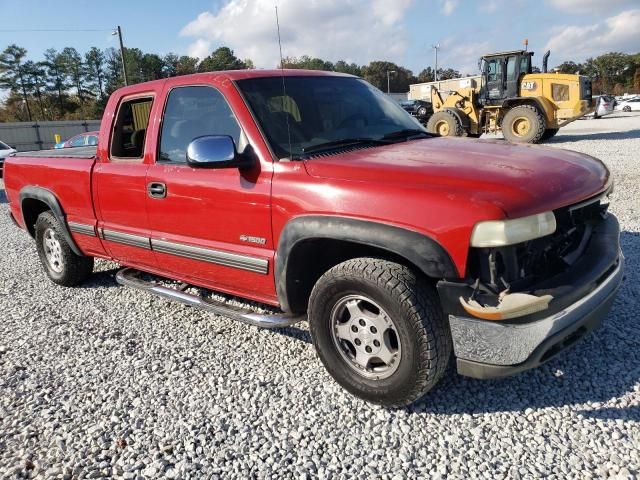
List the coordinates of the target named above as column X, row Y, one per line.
column 353, row 30
column 617, row 33
column 590, row 6
column 448, row 6
column 462, row 56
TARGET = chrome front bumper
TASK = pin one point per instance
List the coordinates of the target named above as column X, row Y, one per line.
column 487, row 349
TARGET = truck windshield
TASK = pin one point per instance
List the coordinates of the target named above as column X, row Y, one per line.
column 308, row 113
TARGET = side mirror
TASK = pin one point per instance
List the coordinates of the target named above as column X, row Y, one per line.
column 216, row 151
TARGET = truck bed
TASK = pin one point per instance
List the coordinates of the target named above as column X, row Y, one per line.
column 77, row 152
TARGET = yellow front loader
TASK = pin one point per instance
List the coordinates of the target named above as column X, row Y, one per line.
column 527, row 107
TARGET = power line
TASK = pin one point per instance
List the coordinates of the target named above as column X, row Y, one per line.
column 13, row 30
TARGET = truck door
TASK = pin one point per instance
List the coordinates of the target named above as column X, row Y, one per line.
column 494, row 78
column 119, row 183
column 211, row 227
column 512, row 89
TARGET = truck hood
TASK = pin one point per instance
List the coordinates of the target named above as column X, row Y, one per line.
column 519, row 179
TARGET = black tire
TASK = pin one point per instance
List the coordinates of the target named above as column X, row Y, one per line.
column 422, row 330
column 626, row 108
column 422, row 112
column 60, row 263
column 445, row 124
column 549, row 133
column 523, row 114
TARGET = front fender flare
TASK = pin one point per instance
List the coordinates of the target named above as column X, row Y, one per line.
column 420, row 250
column 48, row 198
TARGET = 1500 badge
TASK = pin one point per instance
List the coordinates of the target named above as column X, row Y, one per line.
column 249, row 239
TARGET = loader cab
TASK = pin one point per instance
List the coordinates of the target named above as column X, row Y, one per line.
column 501, row 75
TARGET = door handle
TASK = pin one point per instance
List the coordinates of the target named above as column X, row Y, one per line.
column 157, row 190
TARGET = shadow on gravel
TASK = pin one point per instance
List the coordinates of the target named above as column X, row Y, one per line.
column 631, row 413
column 595, row 136
column 603, row 366
column 102, row 279
column 295, row 333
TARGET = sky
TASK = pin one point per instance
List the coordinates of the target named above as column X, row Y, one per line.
column 402, row 31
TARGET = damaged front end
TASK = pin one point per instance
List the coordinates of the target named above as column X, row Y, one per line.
column 530, row 289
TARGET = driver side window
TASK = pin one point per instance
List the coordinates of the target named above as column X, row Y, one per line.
column 193, row 112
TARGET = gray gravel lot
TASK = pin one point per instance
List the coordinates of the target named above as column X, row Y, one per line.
column 104, row 381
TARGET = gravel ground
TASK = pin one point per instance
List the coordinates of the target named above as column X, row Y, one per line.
column 104, row 381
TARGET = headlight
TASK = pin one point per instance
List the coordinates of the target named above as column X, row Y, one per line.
column 498, row 233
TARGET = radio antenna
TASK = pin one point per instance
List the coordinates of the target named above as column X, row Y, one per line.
column 284, row 89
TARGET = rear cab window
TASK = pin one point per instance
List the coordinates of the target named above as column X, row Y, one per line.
column 130, row 128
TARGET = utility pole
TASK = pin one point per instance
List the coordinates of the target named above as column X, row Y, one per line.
column 118, row 32
column 388, row 80
column 436, row 47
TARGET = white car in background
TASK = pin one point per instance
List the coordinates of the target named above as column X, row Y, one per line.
column 604, row 106
column 629, row 105
column 5, row 151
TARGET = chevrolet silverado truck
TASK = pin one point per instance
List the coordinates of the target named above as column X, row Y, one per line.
column 316, row 196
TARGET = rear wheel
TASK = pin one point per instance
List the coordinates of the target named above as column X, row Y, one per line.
column 379, row 330
column 626, row 108
column 523, row 124
column 62, row 265
column 445, row 124
column 549, row 133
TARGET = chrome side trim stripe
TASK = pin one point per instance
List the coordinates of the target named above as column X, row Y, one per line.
column 82, row 228
column 125, row 238
column 234, row 260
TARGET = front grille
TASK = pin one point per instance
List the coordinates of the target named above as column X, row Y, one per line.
column 554, row 253
column 526, row 263
column 585, row 89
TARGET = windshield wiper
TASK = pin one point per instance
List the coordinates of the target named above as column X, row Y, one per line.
column 407, row 132
column 342, row 143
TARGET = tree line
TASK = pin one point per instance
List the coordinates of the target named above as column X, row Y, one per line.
column 614, row 73
column 65, row 85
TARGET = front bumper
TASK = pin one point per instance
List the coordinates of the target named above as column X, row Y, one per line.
column 583, row 296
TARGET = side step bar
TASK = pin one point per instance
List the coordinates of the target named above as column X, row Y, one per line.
column 129, row 278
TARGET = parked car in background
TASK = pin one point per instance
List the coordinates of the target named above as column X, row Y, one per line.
column 5, row 151
column 604, row 106
column 81, row 140
column 417, row 108
column 630, row 105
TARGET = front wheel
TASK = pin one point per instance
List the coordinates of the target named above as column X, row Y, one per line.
column 379, row 330
column 523, row 124
column 61, row 264
column 626, row 108
column 445, row 124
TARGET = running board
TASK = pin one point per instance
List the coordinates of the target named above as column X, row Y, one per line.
column 129, row 278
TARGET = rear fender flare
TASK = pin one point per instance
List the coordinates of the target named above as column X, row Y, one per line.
column 420, row 250
column 48, row 198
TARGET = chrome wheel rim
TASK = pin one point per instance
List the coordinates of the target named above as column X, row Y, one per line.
column 366, row 337
column 53, row 250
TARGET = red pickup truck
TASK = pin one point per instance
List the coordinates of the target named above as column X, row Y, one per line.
column 316, row 195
